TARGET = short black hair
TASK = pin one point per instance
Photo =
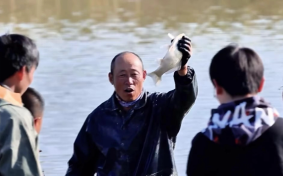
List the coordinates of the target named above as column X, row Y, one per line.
column 239, row 70
column 16, row 51
column 33, row 101
column 121, row 54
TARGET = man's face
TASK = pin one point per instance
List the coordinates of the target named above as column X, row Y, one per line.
column 128, row 77
column 25, row 79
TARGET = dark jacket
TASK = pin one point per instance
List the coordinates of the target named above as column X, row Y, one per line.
column 137, row 142
column 243, row 138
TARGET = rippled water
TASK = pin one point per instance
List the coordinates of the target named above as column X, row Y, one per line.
column 78, row 39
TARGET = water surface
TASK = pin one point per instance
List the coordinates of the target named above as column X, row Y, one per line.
column 78, row 39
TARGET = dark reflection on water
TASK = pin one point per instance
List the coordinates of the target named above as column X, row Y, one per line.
column 77, row 40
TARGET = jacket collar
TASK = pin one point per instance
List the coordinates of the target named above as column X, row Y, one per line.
column 113, row 105
column 11, row 97
column 251, row 102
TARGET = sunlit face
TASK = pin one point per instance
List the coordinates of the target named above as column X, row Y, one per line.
column 128, row 77
column 25, row 79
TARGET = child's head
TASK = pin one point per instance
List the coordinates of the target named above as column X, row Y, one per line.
column 236, row 73
column 33, row 101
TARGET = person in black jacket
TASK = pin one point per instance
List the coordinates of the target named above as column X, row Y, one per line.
column 131, row 133
column 244, row 136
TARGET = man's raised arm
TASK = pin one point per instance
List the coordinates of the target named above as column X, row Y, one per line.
column 179, row 101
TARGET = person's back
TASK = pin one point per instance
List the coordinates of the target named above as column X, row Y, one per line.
column 260, row 158
column 18, row 139
column 244, row 136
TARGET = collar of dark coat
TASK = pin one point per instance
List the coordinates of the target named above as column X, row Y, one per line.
column 112, row 104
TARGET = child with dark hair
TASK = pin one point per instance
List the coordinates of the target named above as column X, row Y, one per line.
column 34, row 102
column 244, row 136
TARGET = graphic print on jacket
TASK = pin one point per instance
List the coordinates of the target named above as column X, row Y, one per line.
column 240, row 122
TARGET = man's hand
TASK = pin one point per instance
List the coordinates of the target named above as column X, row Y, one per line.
column 185, row 47
column 183, row 71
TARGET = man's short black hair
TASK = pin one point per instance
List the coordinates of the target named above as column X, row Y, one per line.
column 121, row 54
column 16, row 51
column 238, row 70
column 34, row 102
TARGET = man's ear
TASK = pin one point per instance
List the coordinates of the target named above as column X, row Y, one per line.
column 110, row 77
column 261, row 85
column 144, row 74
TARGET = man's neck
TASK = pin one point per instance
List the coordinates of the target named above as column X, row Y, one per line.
column 127, row 108
column 127, row 105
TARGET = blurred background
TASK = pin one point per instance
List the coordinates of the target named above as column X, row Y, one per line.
column 78, row 38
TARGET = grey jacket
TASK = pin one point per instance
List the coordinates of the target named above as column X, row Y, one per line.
column 19, row 155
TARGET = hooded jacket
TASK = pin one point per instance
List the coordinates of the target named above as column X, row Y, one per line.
column 243, row 138
column 18, row 139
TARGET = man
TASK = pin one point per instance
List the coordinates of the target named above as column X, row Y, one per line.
column 19, row 58
column 130, row 134
column 244, row 134
column 34, row 102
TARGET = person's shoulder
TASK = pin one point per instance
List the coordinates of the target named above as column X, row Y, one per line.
column 99, row 109
column 200, row 138
column 151, row 94
column 276, row 129
column 155, row 95
column 13, row 111
column 202, row 142
column 18, row 114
